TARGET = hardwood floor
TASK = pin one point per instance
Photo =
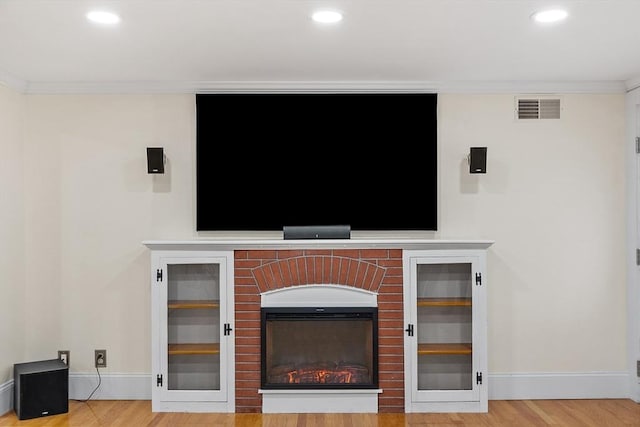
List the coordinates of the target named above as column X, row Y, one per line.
column 508, row 413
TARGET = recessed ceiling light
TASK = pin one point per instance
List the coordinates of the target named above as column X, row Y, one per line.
column 551, row 15
column 103, row 17
column 327, row 16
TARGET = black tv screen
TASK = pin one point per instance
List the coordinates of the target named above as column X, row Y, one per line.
column 267, row 160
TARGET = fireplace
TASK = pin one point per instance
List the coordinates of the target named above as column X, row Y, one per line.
column 319, row 348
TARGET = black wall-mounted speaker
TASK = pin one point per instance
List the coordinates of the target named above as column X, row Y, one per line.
column 478, row 160
column 40, row 388
column 155, row 160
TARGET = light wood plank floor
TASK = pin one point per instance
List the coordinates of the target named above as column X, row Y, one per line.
column 135, row 413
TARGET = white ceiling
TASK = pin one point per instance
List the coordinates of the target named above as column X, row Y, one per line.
column 48, row 45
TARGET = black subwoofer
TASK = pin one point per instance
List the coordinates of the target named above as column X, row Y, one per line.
column 40, row 388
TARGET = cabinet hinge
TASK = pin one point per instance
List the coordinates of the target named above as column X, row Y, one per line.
column 478, row 279
column 478, row 377
column 227, row 329
column 638, row 144
column 409, row 330
column 159, row 380
column 159, row 275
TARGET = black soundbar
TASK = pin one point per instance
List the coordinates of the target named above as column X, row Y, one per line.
column 316, row 232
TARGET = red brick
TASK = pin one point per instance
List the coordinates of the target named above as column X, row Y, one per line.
column 302, row 270
column 384, row 305
column 261, row 254
column 240, row 254
column 318, row 269
column 248, row 315
column 390, row 263
column 317, row 252
column 353, row 272
column 383, row 409
column 248, row 341
column 310, row 268
column 375, row 253
column 390, row 376
column 370, row 273
column 376, row 282
column 360, row 275
column 347, row 253
column 286, row 273
column 247, row 358
column 247, row 395
column 393, row 393
column 335, row 270
column 390, row 323
column 248, row 375
column 275, row 273
column 248, row 298
column 261, row 279
column 392, row 280
column 249, row 325
column 327, row 263
column 284, row 254
column 390, row 358
column 246, row 264
column 392, row 289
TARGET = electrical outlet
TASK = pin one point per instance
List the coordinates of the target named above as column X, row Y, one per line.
column 64, row 356
column 100, row 358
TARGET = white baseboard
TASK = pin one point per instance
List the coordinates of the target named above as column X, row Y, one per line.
column 586, row 385
column 582, row 385
column 6, row 397
column 112, row 386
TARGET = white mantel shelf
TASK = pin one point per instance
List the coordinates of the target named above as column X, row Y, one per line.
column 246, row 244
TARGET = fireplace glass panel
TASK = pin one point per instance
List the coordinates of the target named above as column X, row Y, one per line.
column 320, row 350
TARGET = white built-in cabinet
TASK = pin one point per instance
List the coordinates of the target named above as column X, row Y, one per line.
column 446, row 330
column 192, row 342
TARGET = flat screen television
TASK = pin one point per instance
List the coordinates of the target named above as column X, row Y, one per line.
column 269, row 160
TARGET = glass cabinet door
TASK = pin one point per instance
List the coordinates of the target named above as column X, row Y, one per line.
column 193, row 327
column 444, row 327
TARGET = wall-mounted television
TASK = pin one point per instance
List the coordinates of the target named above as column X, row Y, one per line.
column 269, row 160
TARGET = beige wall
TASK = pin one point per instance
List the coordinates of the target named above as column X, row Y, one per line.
column 553, row 200
column 90, row 205
column 12, row 261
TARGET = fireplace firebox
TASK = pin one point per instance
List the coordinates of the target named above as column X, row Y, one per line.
column 319, row 348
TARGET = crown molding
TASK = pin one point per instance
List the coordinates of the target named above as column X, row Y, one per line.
column 480, row 87
column 633, row 83
column 9, row 80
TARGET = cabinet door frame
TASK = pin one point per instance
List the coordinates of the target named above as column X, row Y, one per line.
column 190, row 400
column 446, row 400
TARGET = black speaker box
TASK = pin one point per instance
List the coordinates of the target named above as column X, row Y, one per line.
column 155, row 160
column 478, row 160
column 40, row 388
column 316, row 232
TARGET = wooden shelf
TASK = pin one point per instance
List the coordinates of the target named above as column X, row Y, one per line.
column 444, row 302
column 191, row 304
column 444, row 349
column 181, row 349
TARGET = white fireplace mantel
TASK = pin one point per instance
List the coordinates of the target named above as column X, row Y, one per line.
column 248, row 244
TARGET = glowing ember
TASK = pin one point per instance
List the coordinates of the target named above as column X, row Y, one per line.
column 320, row 373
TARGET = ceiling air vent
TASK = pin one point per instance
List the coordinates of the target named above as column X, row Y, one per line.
column 538, row 108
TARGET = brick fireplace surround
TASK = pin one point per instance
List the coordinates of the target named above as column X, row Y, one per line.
column 375, row 270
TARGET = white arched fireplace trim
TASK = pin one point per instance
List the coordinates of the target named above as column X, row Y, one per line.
column 319, row 296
